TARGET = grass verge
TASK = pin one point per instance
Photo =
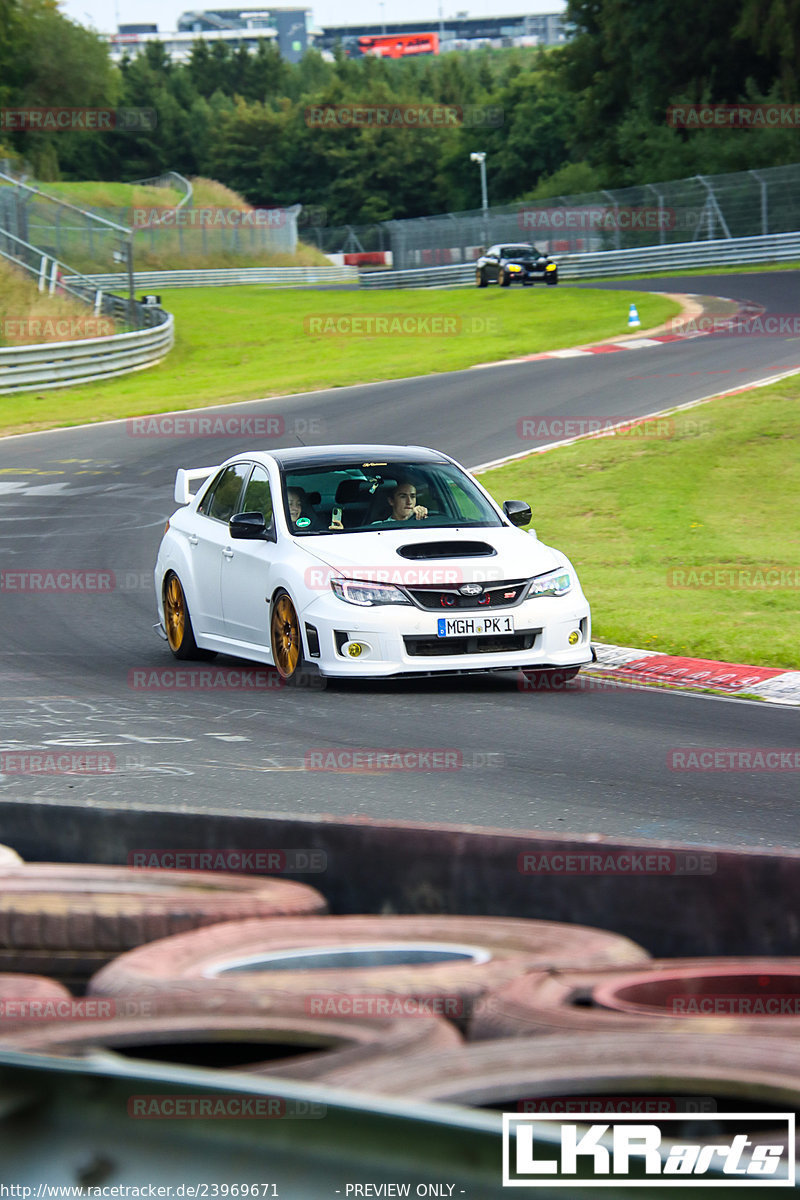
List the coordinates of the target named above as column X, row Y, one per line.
column 245, row 343
column 688, row 542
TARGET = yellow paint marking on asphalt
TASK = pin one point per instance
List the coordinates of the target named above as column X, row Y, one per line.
column 28, row 471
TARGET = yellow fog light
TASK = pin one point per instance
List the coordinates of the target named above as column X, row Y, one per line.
column 574, row 638
column 355, row 649
column 550, row 267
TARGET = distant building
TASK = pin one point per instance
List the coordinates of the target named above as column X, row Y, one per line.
column 290, row 23
column 286, row 27
column 456, row 33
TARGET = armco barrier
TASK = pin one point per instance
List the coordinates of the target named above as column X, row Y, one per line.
column 710, row 901
column 684, row 256
column 229, row 276
column 61, row 364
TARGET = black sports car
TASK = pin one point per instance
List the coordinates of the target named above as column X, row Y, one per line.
column 505, row 264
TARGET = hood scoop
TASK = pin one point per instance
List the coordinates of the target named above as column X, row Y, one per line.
column 418, row 550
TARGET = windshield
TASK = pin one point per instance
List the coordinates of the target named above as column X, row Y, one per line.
column 383, row 495
column 519, row 252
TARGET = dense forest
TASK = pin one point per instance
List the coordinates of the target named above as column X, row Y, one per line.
column 588, row 115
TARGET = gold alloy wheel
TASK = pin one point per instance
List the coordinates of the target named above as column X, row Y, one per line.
column 174, row 613
column 285, row 632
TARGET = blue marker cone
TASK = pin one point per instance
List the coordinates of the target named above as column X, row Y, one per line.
column 633, row 318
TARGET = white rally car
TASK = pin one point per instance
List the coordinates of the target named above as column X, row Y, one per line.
column 363, row 561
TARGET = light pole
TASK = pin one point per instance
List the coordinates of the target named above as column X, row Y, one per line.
column 479, row 156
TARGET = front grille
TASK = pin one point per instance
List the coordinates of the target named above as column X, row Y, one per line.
column 435, row 647
column 499, row 595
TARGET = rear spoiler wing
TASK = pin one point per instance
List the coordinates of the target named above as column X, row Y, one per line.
column 184, row 479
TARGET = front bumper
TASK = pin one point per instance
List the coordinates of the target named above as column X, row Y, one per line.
column 402, row 640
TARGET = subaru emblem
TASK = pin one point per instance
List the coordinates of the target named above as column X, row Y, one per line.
column 471, row 589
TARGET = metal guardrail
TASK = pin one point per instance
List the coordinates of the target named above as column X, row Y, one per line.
column 63, row 364
column 230, row 276
column 423, row 277
column 779, row 247
column 170, row 179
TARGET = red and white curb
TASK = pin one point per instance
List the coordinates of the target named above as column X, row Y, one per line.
column 639, row 343
column 627, row 664
column 744, row 310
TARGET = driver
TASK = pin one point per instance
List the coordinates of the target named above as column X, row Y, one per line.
column 403, row 503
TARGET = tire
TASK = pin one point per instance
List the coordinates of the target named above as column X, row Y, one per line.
column 295, row 1047
column 552, row 680
column 617, row 1065
column 69, row 920
column 503, row 278
column 28, row 998
column 552, row 279
column 438, row 965
column 480, row 279
column 178, row 623
column 286, row 642
column 567, row 1001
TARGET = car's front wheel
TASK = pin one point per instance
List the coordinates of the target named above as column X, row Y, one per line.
column 287, row 645
column 480, row 278
column 503, row 278
column 552, row 278
column 178, row 623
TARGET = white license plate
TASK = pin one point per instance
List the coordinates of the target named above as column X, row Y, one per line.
column 474, row 626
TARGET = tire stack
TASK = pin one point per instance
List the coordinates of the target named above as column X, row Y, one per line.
column 249, row 974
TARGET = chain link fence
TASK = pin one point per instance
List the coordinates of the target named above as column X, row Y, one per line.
column 89, row 241
column 168, row 226
column 703, row 208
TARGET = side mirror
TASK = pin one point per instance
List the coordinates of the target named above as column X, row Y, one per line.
column 249, row 525
column 517, row 511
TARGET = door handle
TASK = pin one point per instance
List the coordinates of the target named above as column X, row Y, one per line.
column 227, row 552
column 193, row 539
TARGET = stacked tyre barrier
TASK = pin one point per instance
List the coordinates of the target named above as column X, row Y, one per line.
column 251, row 974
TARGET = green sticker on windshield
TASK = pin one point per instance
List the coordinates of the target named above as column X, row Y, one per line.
column 303, row 522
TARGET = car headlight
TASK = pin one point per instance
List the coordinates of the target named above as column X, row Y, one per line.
column 353, row 591
column 514, row 267
column 550, row 267
column 554, row 583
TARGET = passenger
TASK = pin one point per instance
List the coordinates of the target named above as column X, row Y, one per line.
column 297, row 502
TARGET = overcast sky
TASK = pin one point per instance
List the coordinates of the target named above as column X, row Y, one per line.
column 105, row 15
